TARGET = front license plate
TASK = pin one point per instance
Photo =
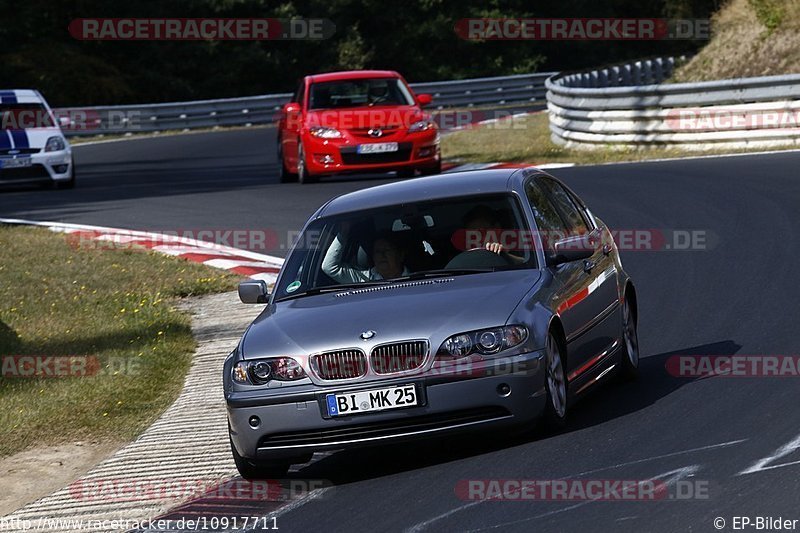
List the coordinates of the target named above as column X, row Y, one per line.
column 377, row 148
column 367, row 401
column 15, row 163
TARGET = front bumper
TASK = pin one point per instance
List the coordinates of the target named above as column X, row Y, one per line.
column 415, row 151
column 294, row 422
column 43, row 166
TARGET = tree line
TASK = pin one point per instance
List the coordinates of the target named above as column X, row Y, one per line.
column 416, row 38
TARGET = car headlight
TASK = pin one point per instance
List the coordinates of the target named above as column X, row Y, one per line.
column 483, row 341
column 55, row 144
column 422, row 125
column 263, row 371
column 325, row 133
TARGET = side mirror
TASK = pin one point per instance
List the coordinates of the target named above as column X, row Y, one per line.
column 253, row 291
column 572, row 249
column 292, row 116
column 64, row 121
column 291, row 108
column 424, row 99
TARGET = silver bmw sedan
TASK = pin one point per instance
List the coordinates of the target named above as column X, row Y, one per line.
column 459, row 302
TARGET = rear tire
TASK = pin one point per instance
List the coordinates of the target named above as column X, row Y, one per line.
column 252, row 470
column 629, row 364
column 303, row 175
column 556, row 410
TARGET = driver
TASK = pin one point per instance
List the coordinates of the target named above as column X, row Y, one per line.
column 387, row 256
column 483, row 219
column 377, row 93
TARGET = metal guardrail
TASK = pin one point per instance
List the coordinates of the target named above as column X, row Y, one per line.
column 262, row 109
column 631, row 106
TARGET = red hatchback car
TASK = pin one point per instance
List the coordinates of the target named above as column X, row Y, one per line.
column 356, row 122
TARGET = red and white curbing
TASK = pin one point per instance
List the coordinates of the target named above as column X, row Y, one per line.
column 236, row 260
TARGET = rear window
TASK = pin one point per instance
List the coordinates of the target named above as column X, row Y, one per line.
column 25, row 116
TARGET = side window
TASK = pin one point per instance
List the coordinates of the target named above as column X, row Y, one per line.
column 567, row 207
column 547, row 218
column 587, row 217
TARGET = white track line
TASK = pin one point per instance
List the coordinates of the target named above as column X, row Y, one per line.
column 421, row 526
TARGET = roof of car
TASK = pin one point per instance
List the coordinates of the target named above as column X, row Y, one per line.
column 22, row 96
column 353, row 75
column 429, row 188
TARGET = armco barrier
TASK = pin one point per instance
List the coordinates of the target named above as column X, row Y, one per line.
column 631, row 106
column 262, row 109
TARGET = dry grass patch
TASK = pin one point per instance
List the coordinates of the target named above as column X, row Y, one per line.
column 749, row 38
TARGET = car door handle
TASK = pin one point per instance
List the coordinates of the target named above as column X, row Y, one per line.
column 588, row 265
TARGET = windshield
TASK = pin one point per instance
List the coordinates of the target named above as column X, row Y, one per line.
column 456, row 236
column 359, row 93
column 25, row 116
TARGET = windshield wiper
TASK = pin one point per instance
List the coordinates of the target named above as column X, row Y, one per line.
column 443, row 273
column 333, row 288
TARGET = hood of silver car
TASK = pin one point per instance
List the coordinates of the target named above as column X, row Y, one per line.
column 432, row 309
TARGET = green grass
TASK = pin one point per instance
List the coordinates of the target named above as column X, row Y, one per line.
column 118, row 306
column 527, row 140
column 769, row 12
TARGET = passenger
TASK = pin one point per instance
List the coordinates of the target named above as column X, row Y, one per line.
column 388, row 259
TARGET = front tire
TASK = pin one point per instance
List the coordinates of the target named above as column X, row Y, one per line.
column 406, row 173
column 629, row 365
column 436, row 169
column 303, row 175
column 252, row 470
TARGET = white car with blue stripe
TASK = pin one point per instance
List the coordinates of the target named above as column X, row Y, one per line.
column 32, row 146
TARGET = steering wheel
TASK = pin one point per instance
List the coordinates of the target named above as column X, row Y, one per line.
column 479, row 258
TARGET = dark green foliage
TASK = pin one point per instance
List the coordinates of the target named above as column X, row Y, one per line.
column 414, row 37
